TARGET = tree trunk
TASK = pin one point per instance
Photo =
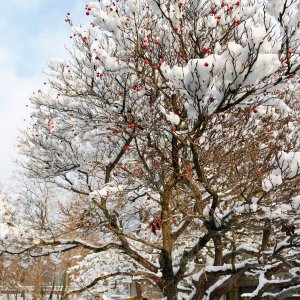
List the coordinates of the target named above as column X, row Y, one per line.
column 170, row 281
column 38, row 281
column 170, row 289
column 234, row 293
column 138, row 290
column 218, row 261
column 64, row 284
column 202, row 286
column 170, row 284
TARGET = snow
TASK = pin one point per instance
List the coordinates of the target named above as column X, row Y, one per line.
column 271, row 181
column 173, row 118
column 216, row 285
column 81, row 128
column 296, row 202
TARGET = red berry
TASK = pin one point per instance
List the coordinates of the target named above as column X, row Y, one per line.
column 206, row 50
column 157, row 42
column 237, row 22
column 87, row 13
column 237, row 3
column 214, row 12
column 137, row 87
column 146, row 62
column 255, row 110
column 188, row 169
column 223, row 4
column 155, row 67
column 132, row 125
column 206, row 65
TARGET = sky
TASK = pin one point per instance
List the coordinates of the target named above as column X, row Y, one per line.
column 32, row 32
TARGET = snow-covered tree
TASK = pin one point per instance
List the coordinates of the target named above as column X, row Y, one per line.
column 175, row 126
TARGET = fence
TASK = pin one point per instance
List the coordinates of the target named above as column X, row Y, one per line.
column 30, row 293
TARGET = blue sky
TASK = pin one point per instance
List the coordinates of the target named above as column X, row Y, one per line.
column 31, row 32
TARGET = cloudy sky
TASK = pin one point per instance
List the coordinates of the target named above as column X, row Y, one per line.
column 31, row 32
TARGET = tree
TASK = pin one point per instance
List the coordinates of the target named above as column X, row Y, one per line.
column 176, row 127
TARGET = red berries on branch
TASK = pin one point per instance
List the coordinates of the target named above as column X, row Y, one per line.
column 187, row 172
column 131, row 126
column 156, row 224
column 127, row 148
column 137, row 87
